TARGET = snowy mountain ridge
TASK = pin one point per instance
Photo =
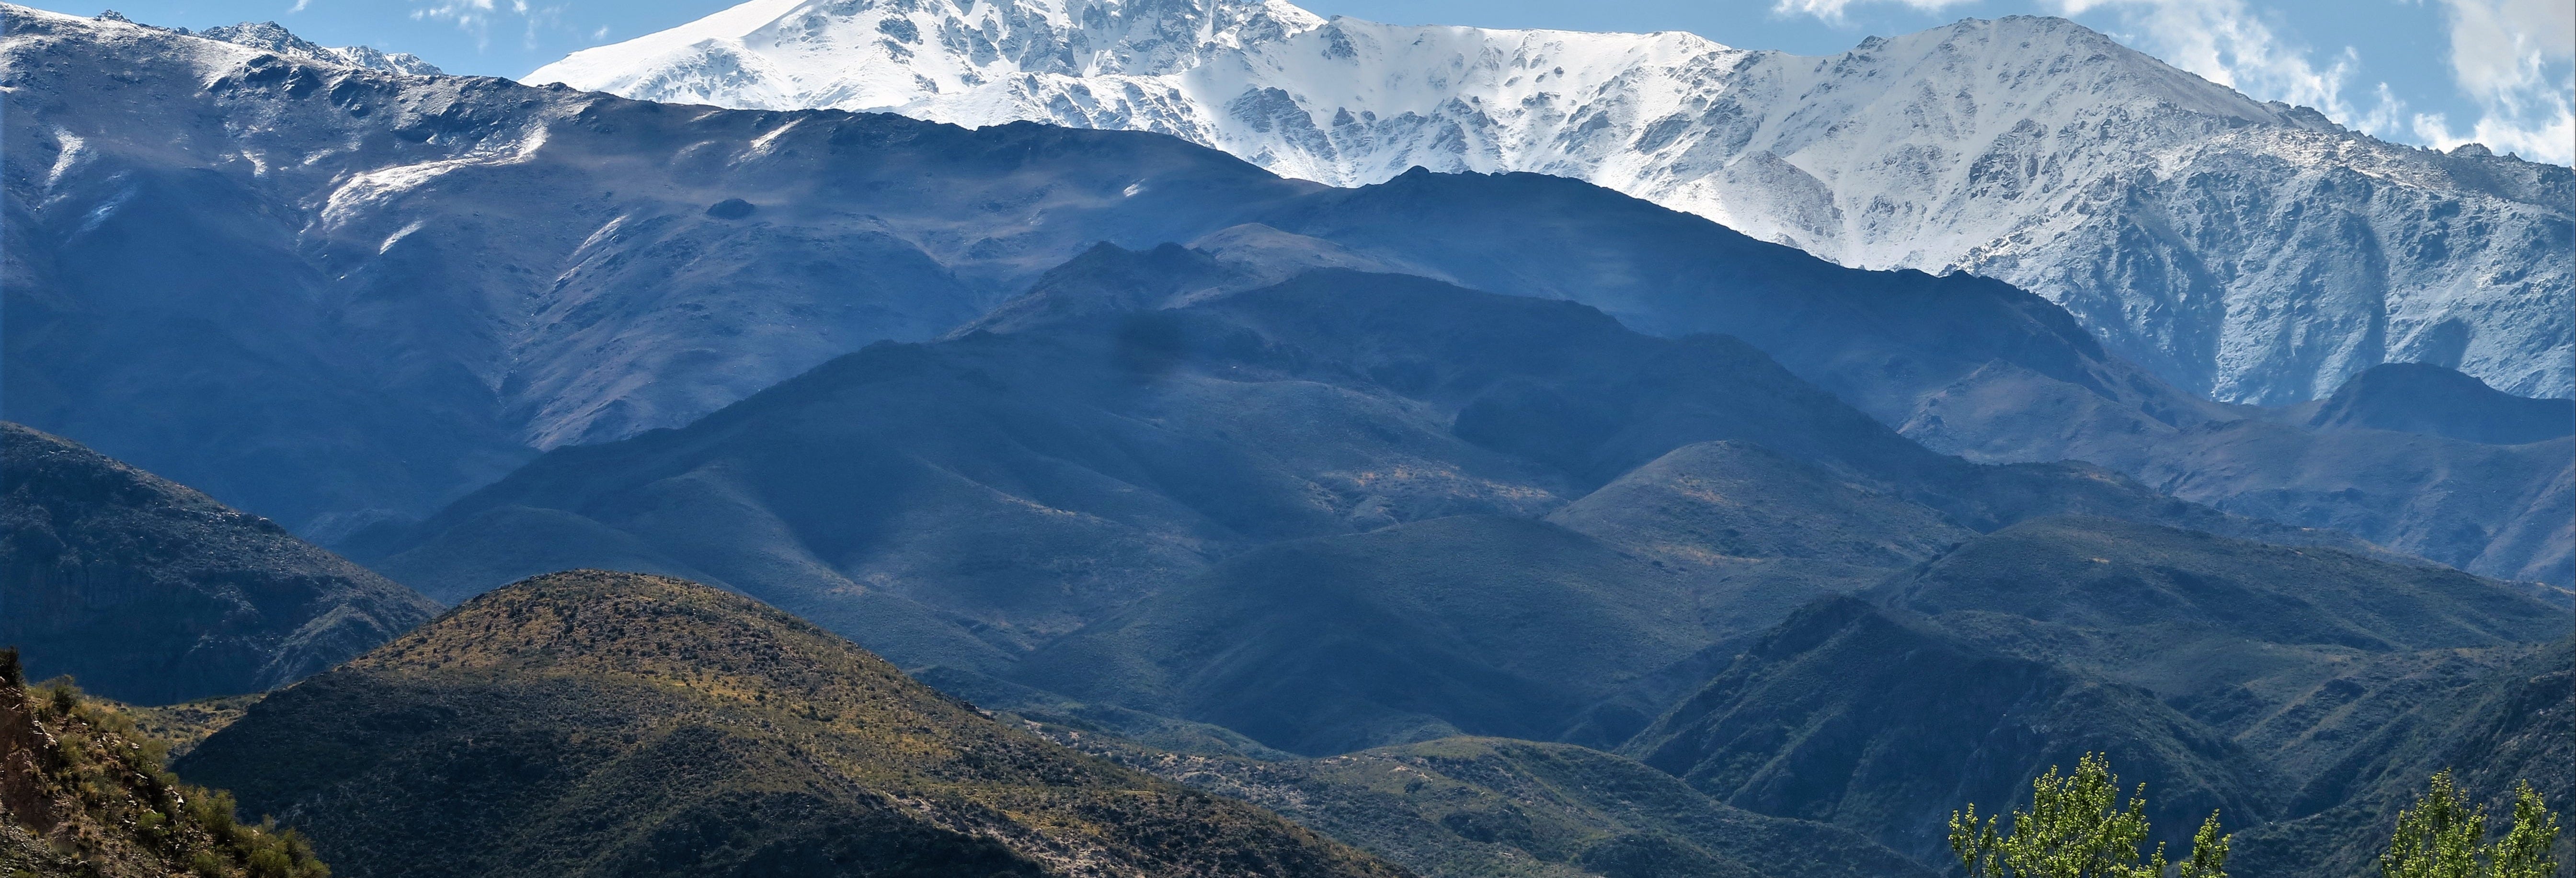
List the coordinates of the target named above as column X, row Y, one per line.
column 2252, row 251
column 858, row 54
column 274, row 38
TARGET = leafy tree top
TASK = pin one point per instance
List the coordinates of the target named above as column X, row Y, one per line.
column 2076, row 828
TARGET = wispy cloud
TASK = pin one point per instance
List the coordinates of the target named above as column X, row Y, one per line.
column 2223, row 40
column 2515, row 59
column 477, row 17
column 1832, row 10
column 2228, row 43
column 2512, row 58
column 472, row 16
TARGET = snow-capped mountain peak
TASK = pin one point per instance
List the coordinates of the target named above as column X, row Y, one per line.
column 872, row 54
column 2253, row 251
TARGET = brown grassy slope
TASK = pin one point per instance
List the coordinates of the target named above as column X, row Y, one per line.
column 593, row 723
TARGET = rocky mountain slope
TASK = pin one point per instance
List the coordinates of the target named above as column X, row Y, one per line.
column 2255, row 252
column 617, row 724
column 148, row 592
column 83, row 795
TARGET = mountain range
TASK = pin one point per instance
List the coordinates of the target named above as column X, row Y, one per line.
column 291, row 236
column 1034, row 499
column 273, row 37
column 2255, row 252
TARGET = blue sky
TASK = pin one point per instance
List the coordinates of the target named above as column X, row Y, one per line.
column 2438, row 72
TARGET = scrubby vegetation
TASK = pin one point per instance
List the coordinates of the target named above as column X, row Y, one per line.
column 619, row 725
column 83, row 793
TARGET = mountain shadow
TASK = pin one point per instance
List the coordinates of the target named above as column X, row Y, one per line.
column 1472, row 624
column 2424, row 398
column 593, row 723
column 151, row 593
column 1868, row 719
column 2222, row 673
column 2190, row 615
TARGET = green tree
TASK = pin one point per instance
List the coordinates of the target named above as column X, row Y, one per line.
column 2208, row 852
column 2524, row 850
column 2443, row 836
column 2076, row 829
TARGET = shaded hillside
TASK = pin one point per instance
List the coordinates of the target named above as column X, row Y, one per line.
column 83, row 795
column 1883, row 724
column 2424, row 398
column 1759, row 535
column 596, row 723
column 1025, row 484
column 2190, row 615
column 2502, row 511
column 1473, row 624
column 2222, row 673
column 2513, row 725
column 149, row 592
column 1718, row 501
column 965, row 502
column 1461, row 807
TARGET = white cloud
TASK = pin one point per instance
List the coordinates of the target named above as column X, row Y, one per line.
column 1832, row 10
column 2512, row 57
column 472, row 16
column 2226, row 42
column 476, row 17
column 2508, row 55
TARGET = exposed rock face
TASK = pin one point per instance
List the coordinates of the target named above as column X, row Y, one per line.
column 148, row 592
column 2255, row 252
